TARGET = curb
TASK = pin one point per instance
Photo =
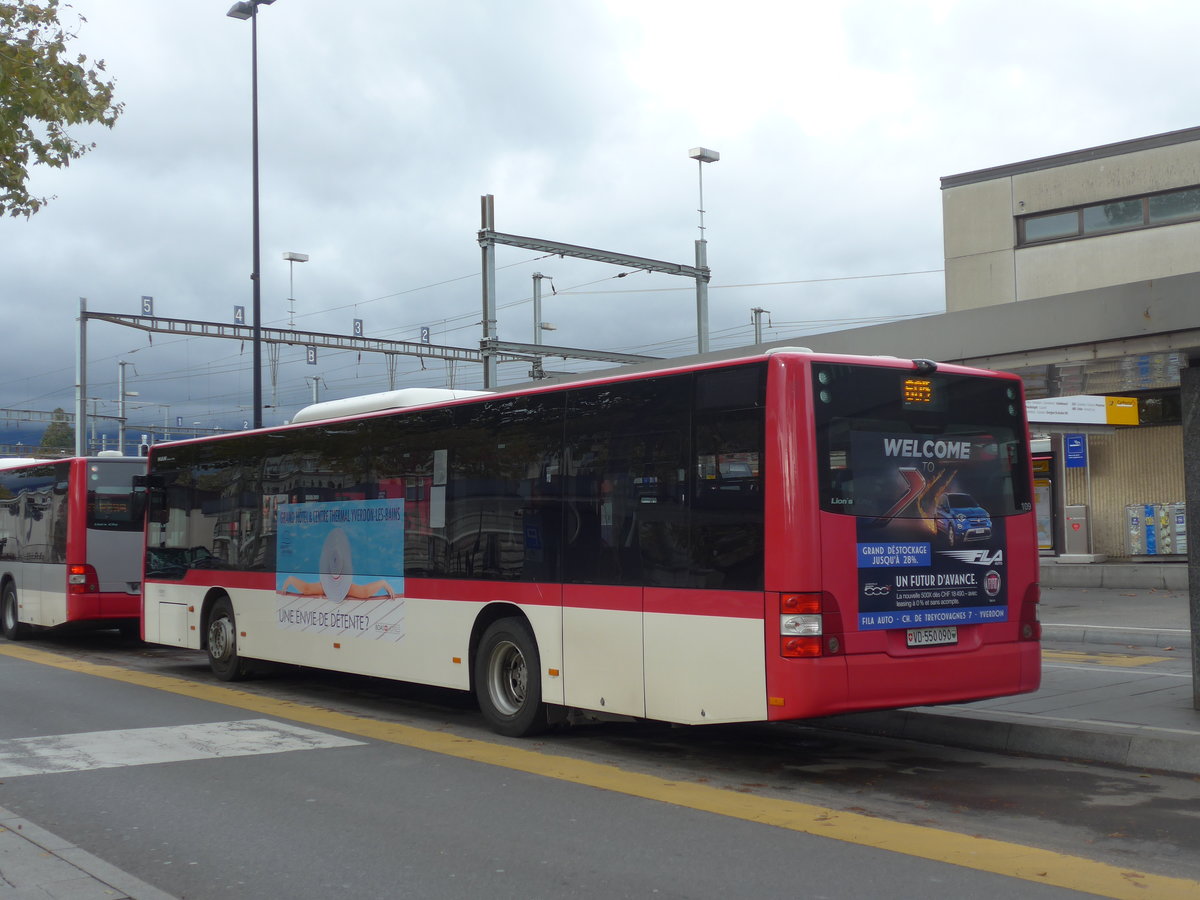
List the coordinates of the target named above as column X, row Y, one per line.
column 1133, row 746
column 39, row 863
column 1126, row 635
column 1168, row 576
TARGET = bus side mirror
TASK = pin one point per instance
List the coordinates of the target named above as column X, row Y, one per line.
column 150, row 495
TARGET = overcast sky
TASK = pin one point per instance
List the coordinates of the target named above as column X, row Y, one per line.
column 382, row 122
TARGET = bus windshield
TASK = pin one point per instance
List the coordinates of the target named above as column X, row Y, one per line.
column 894, row 445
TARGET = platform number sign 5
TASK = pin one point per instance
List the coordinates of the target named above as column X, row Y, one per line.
column 147, row 306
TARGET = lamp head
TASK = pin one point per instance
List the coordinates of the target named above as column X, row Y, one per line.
column 244, row 9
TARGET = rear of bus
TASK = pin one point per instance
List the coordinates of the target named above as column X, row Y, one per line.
column 104, row 554
column 902, row 545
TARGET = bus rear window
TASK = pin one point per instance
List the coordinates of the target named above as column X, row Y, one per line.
column 110, row 501
column 889, row 447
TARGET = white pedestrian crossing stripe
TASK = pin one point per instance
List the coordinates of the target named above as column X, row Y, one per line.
column 147, row 746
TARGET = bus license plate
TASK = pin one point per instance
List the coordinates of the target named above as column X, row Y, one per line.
column 930, row 637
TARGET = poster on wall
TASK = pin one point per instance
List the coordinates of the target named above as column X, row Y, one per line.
column 1043, row 504
column 340, row 568
column 932, row 555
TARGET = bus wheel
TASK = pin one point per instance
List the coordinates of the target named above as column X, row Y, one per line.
column 223, row 657
column 14, row 629
column 508, row 681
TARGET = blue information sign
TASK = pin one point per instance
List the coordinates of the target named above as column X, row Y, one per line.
column 1076, row 450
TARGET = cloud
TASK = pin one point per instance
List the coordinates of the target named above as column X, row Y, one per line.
column 382, row 123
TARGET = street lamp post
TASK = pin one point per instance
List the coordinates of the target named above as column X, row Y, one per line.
column 291, row 257
column 248, row 9
column 538, row 325
column 702, row 155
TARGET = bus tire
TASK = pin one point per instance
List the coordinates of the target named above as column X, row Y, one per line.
column 508, row 683
column 14, row 629
column 223, row 656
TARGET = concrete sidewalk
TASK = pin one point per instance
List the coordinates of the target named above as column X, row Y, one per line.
column 1138, row 713
column 35, row 864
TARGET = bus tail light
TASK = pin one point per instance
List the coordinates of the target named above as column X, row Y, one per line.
column 1029, row 628
column 801, row 625
column 82, row 580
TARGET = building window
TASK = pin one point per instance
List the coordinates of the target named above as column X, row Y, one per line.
column 1167, row 208
column 1055, row 227
column 1177, row 206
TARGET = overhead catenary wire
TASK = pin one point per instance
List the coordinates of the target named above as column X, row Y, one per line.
column 725, row 337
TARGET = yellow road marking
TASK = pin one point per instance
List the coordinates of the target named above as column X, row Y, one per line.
column 1125, row 660
column 982, row 854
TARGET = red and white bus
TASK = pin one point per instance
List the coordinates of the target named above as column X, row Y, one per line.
column 70, row 544
column 739, row 540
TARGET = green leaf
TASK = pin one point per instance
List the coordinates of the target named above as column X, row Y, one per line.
column 41, row 93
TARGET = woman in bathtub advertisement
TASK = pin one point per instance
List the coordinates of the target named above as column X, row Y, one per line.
column 340, row 568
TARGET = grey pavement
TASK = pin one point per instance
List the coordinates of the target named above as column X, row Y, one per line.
column 1139, row 714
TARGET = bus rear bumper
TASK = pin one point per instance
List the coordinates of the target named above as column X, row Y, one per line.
column 98, row 607
column 828, row 686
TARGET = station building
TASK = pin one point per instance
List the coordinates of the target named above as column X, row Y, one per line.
column 1110, row 225
column 1080, row 272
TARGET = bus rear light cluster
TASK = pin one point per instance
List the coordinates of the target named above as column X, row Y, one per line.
column 801, row 625
column 82, row 580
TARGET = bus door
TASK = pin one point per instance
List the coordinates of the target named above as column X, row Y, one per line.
column 44, row 546
column 624, row 530
column 602, row 622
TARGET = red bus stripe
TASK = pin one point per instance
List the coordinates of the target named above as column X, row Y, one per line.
column 617, row 598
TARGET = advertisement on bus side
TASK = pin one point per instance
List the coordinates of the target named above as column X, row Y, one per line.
column 931, row 554
column 340, row 568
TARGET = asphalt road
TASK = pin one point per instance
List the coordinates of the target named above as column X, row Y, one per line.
column 304, row 783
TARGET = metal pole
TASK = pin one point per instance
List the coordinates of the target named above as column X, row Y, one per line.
column 273, row 363
column 1189, row 394
column 81, row 379
column 702, row 155
column 702, row 296
column 537, row 307
column 1087, row 454
column 488, row 249
column 121, row 364
column 757, row 314
column 258, row 406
